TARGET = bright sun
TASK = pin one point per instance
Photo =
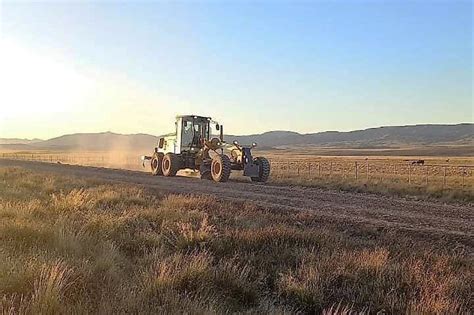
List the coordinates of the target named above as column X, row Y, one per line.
column 43, row 90
column 33, row 82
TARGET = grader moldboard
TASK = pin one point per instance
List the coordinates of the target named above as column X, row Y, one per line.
column 192, row 146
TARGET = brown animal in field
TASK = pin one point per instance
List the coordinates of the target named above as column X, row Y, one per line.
column 418, row 162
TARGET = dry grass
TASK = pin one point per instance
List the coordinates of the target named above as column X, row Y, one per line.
column 76, row 246
column 448, row 178
column 378, row 186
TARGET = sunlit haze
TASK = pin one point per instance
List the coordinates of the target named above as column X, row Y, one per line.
column 130, row 68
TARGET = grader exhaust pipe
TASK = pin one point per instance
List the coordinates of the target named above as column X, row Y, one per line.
column 221, row 135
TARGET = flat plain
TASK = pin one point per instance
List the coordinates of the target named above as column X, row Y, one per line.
column 364, row 170
column 89, row 239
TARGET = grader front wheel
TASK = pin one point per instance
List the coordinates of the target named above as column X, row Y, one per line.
column 220, row 168
column 264, row 170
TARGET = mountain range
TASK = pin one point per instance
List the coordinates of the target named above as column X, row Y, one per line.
column 372, row 137
column 394, row 136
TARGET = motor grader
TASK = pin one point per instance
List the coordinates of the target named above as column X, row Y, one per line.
column 193, row 146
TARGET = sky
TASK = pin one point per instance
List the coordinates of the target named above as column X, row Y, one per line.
column 255, row 66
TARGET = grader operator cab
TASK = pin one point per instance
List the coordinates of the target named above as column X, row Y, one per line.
column 193, row 146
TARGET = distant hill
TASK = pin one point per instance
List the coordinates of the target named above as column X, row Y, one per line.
column 18, row 141
column 373, row 137
column 460, row 134
column 103, row 141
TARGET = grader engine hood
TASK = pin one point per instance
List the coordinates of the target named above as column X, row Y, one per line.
column 167, row 143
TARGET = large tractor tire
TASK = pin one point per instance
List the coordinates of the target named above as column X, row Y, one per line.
column 220, row 168
column 156, row 163
column 171, row 164
column 264, row 170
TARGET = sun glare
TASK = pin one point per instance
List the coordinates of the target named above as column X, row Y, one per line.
column 35, row 82
column 45, row 87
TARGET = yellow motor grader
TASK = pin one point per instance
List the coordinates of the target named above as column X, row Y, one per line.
column 192, row 146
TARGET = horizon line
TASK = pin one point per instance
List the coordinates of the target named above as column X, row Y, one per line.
column 252, row 134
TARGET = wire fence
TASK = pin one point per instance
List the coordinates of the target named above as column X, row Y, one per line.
column 449, row 176
column 366, row 171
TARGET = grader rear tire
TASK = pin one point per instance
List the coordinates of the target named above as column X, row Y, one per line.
column 156, row 164
column 220, row 168
column 264, row 171
column 171, row 164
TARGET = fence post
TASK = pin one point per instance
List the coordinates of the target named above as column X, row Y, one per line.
column 427, row 171
column 330, row 170
column 463, row 173
column 298, row 167
column 367, row 171
column 444, row 177
column 309, row 169
column 288, row 168
column 382, row 173
column 356, row 171
column 319, row 169
column 409, row 174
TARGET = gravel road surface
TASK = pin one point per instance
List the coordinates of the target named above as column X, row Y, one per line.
column 451, row 223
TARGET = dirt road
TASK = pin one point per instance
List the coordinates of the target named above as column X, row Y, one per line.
column 427, row 220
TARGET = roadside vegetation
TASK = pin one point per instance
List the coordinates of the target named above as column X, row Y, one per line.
column 70, row 245
column 377, row 186
column 387, row 175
